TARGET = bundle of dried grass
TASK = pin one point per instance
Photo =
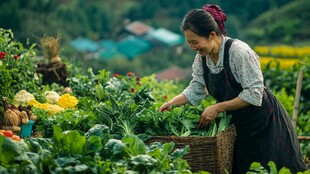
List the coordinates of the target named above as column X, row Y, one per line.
column 53, row 71
column 50, row 47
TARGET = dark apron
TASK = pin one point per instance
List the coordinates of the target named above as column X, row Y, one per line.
column 264, row 133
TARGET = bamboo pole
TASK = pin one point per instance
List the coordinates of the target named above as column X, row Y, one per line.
column 296, row 105
column 297, row 97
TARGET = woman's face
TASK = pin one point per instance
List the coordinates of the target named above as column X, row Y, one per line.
column 202, row 45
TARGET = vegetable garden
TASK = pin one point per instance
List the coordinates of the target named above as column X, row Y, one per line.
column 101, row 124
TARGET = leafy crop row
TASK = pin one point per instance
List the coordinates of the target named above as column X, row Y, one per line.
column 104, row 132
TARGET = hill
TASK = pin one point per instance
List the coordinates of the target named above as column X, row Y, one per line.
column 288, row 24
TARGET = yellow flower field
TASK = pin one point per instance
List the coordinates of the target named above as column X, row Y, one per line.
column 282, row 51
column 285, row 63
column 286, row 56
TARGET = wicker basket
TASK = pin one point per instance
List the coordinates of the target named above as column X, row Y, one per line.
column 212, row 154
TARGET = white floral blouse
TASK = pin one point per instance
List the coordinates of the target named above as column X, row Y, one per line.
column 245, row 66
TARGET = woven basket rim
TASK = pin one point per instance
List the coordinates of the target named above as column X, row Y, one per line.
column 230, row 128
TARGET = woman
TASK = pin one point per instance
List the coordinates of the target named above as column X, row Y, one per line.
column 229, row 70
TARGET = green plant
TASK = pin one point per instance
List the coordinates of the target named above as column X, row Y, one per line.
column 286, row 100
column 278, row 80
column 17, row 65
column 257, row 168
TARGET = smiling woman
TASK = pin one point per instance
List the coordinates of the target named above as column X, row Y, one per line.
column 204, row 46
column 229, row 70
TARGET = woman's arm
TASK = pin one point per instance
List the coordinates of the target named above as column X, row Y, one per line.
column 196, row 90
column 245, row 66
column 178, row 100
column 230, row 105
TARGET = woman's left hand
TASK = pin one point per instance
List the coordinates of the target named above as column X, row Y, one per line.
column 208, row 115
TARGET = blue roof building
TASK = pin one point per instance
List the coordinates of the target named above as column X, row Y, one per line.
column 132, row 46
column 85, row 45
column 108, row 48
column 165, row 37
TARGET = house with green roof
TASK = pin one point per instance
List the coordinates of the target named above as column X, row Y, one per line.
column 108, row 49
column 85, row 45
column 165, row 37
column 132, row 46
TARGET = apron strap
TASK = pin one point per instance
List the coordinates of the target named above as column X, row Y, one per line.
column 226, row 55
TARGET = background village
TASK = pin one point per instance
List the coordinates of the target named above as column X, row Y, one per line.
column 135, row 39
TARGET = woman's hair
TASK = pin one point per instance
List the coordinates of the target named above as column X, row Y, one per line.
column 203, row 21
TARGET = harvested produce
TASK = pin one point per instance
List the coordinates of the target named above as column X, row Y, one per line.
column 23, row 97
column 67, row 101
column 51, row 97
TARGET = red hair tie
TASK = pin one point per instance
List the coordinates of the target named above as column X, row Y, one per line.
column 218, row 14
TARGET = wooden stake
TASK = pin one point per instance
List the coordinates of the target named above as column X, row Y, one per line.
column 297, row 97
column 304, row 138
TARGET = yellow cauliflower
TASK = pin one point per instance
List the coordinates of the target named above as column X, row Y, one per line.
column 50, row 108
column 34, row 103
column 53, row 109
column 67, row 101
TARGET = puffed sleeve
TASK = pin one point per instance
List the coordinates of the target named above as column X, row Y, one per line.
column 196, row 90
column 245, row 66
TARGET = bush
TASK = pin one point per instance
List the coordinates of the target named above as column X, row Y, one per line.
column 17, row 65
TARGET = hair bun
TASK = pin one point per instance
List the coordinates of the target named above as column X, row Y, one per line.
column 217, row 13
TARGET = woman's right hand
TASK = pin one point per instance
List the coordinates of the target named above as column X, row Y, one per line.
column 166, row 107
column 178, row 100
